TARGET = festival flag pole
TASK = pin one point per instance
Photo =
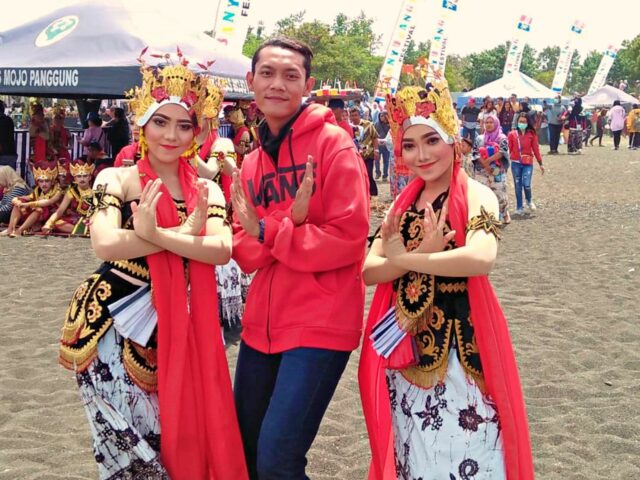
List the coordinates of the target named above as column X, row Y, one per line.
column 438, row 51
column 516, row 49
column 606, row 63
column 390, row 72
column 566, row 55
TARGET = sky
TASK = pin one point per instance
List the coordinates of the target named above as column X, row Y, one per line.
column 478, row 24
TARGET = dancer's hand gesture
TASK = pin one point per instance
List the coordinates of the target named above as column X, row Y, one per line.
column 244, row 210
column 434, row 239
column 144, row 212
column 198, row 218
column 300, row 207
column 392, row 243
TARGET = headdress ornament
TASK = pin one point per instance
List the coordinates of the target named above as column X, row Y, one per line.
column 81, row 168
column 430, row 105
column 45, row 172
column 174, row 83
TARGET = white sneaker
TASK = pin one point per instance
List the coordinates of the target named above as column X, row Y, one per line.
column 532, row 206
column 519, row 211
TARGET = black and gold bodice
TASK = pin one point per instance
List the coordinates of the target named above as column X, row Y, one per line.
column 435, row 309
column 88, row 317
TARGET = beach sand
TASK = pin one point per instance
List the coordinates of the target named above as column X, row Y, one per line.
column 568, row 278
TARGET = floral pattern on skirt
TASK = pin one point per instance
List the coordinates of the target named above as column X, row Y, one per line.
column 124, row 419
column 497, row 187
column 450, row 431
column 233, row 285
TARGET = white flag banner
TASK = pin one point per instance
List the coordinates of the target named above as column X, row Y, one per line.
column 392, row 66
column 232, row 24
column 438, row 51
column 566, row 55
column 606, row 63
column 516, row 49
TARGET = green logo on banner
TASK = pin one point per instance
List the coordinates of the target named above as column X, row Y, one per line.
column 57, row 30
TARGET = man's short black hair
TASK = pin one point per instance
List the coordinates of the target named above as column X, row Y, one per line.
column 95, row 146
column 336, row 103
column 288, row 44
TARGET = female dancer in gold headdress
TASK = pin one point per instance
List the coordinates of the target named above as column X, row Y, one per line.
column 438, row 378
column 142, row 333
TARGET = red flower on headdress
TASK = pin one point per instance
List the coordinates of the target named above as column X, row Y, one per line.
column 425, row 109
column 189, row 99
column 159, row 94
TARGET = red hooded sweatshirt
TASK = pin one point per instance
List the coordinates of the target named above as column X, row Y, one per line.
column 308, row 289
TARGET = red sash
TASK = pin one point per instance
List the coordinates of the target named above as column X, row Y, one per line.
column 200, row 438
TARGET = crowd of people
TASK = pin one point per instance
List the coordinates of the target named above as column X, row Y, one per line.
column 263, row 220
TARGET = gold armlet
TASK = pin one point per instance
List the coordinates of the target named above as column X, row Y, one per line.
column 485, row 221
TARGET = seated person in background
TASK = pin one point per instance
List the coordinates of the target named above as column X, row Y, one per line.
column 64, row 175
column 97, row 156
column 37, row 207
column 72, row 213
column 13, row 186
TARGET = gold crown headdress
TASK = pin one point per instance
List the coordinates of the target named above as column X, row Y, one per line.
column 174, row 84
column 430, row 105
column 81, row 168
column 46, row 173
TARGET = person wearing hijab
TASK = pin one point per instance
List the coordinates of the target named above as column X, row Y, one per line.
column 492, row 164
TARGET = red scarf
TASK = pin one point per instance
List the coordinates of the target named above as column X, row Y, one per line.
column 496, row 353
column 200, row 438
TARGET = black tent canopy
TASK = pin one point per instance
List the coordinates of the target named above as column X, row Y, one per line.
column 90, row 51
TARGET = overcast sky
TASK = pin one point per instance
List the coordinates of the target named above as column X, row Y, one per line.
column 478, row 25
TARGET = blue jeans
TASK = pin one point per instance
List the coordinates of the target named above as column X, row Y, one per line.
column 469, row 133
column 384, row 155
column 522, row 180
column 281, row 399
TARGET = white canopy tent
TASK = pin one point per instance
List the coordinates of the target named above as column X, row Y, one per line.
column 518, row 83
column 605, row 96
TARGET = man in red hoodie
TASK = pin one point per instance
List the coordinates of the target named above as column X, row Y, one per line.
column 301, row 221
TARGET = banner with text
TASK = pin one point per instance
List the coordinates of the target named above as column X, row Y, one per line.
column 390, row 71
column 606, row 63
column 566, row 55
column 516, row 48
column 438, row 51
column 232, row 24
